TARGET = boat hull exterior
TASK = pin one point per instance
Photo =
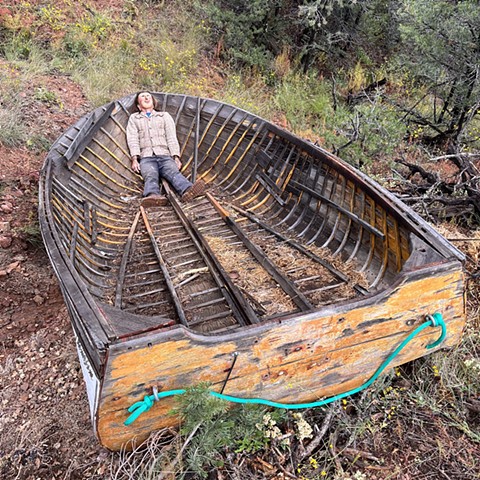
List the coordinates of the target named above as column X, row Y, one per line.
column 294, row 360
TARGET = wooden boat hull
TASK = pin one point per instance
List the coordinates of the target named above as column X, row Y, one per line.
column 273, row 333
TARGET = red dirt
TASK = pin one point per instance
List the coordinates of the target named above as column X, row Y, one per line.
column 45, row 422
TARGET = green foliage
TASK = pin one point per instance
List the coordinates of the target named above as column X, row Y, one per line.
column 442, row 51
column 44, row 95
column 247, row 93
column 88, row 34
column 38, row 143
column 22, row 51
column 32, row 235
column 75, row 43
column 17, row 47
column 12, row 129
column 329, row 26
column 52, row 16
column 316, row 13
column 443, row 383
column 379, row 131
column 214, row 426
column 106, row 75
column 248, row 33
column 305, row 100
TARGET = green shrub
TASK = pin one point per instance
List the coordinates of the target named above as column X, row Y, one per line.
column 305, row 100
column 89, row 33
column 246, row 32
column 23, row 52
column 214, row 426
column 38, row 143
column 31, row 234
column 42, row 94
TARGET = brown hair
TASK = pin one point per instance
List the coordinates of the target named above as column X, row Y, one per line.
column 155, row 102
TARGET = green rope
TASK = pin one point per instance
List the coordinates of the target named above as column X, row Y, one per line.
column 435, row 320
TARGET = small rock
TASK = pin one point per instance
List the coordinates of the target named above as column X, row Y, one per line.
column 4, row 227
column 6, row 207
column 5, row 241
column 12, row 267
column 38, row 299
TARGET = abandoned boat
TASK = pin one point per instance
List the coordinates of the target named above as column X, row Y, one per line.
column 291, row 280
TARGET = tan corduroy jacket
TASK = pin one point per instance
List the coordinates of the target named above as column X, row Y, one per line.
column 152, row 136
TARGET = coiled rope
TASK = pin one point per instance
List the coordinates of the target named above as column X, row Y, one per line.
column 435, row 320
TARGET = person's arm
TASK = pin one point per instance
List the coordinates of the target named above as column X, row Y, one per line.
column 133, row 142
column 178, row 161
column 136, row 163
column 171, row 138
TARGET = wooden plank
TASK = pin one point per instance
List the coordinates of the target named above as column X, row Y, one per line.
column 270, row 187
column 242, row 310
column 164, row 268
column 90, row 127
column 124, row 261
column 341, row 209
column 294, row 244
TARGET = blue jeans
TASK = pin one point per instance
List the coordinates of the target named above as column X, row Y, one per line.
column 154, row 168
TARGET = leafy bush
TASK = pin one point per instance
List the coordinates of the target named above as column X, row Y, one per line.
column 247, row 33
column 380, row 131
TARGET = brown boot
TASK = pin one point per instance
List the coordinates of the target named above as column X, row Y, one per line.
column 197, row 189
column 154, row 200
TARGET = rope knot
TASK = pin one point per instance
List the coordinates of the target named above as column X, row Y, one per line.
column 138, row 408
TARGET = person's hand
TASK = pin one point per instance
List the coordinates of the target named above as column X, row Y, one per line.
column 135, row 165
column 178, row 162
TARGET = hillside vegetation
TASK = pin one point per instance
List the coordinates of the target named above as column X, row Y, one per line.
column 393, row 87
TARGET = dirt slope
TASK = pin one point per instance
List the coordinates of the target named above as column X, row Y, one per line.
column 45, row 424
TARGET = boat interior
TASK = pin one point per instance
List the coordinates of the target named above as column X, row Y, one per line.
column 284, row 228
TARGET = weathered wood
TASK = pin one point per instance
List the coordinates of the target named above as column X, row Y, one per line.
column 85, row 134
column 298, row 298
column 153, row 303
column 163, row 266
column 289, row 361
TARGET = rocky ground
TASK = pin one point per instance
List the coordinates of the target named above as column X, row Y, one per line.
column 45, row 424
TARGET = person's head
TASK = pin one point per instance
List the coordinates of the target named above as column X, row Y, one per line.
column 145, row 101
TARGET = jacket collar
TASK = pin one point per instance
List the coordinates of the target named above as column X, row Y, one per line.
column 155, row 113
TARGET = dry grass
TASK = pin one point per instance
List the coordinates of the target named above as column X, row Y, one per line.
column 248, row 275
